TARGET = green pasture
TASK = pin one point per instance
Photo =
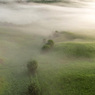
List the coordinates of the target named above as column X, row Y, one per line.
column 67, row 69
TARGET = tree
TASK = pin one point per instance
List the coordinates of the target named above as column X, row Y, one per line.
column 34, row 89
column 32, row 66
column 51, row 43
column 48, row 45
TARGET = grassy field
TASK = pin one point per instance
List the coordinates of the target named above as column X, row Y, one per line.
column 67, row 69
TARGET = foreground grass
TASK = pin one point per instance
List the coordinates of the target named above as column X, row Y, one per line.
column 55, row 73
column 79, row 84
column 69, row 68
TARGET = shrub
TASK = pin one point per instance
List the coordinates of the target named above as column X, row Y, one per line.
column 34, row 89
column 51, row 43
column 32, row 66
column 46, row 47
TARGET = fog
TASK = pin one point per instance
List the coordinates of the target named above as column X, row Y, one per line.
column 44, row 19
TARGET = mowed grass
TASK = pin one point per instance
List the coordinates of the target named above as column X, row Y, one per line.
column 61, row 71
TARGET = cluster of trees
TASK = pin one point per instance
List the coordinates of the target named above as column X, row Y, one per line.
column 43, row 1
column 33, row 88
column 48, row 45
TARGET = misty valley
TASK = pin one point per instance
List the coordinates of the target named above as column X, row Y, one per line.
column 47, row 48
